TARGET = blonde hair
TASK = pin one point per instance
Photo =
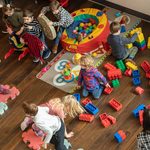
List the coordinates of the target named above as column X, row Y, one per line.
column 68, row 101
column 87, row 61
column 115, row 27
column 54, row 5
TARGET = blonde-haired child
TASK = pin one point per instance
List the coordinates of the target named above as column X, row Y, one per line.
column 90, row 78
column 68, row 105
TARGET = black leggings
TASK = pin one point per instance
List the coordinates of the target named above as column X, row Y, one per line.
column 58, row 138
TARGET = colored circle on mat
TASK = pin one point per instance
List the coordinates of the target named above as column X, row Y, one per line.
column 60, row 65
column 75, row 70
column 58, row 80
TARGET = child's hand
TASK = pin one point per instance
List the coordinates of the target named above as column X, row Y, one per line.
column 78, row 87
column 69, row 135
column 44, row 146
column 50, row 23
column 107, row 85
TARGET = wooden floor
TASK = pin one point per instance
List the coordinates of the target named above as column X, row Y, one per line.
column 90, row 136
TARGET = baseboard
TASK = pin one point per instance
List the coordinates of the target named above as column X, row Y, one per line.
column 127, row 10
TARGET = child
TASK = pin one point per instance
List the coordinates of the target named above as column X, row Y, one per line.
column 33, row 27
column 117, row 43
column 52, row 125
column 68, row 105
column 35, row 46
column 13, row 18
column 143, row 139
column 90, row 78
column 64, row 20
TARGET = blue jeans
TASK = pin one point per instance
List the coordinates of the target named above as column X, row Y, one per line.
column 59, row 34
column 96, row 92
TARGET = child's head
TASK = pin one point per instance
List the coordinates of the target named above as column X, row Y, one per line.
column 86, row 62
column 115, row 27
column 8, row 11
column 54, row 6
column 27, row 16
column 71, row 106
column 30, row 109
column 146, row 120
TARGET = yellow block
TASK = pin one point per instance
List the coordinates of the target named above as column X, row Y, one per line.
column 140, row 37
column 131, row 66
column 129, row 45
column 148, row 43
column 135, row 30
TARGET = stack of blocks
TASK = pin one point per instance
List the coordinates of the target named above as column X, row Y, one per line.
column 146, row 67
column 120, row 136
column 140, row 41
column 136, row 111
column 136, row 77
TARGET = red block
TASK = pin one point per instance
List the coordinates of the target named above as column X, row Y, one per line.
column 104, row 120
column 114, row 74
column 111, row 119
column 122, row 134
column 141, row 116
column 109, row 66
column 148, row 75
column 86, row 101
column 139, row 90
column 128, row 72
column 143, row 48
column 108, row 90
column 115, row 104
column 146, row 66
column 86, row 117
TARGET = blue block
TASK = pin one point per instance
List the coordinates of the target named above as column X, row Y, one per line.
column 123, row 29
column 118, row 137
column 139, row 45
column 135, row 73
column 136, row 111
column 91, row 108
column 136, row 81
column 100, row 13
column 77, row 96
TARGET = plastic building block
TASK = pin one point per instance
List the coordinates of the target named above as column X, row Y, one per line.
column 122, row 134
column 141, row 116
column 120, row 65
column 115, row 104
column 77, row 96
column 107, row 120
column 13, row 93
column 130, row 65
column 35, row 141
column 135, row 73
column 139, row 90
column 129, row 45
column 3, row 108
column 86, row 101
column 128, row 72
column 118, row 137
column 136, row 81
column 91, row 108
column 135, row 30
column 145, row 66
column 148, row 43
column 109, row 66
column 114, row 74
column 118, row 14
column 148, row 75
column 108, row 90
column 86, row 117
column 115, row 83
column 136, row 111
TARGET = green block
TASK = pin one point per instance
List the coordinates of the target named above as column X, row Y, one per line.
column 115, row 83
column 120, row 65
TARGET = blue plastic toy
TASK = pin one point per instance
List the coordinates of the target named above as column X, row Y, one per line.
column 136, row 111
column 91, row 108
column 118, row 137
column 135, row 73
column 77, row 96
column 136, row 81
column 118, row 14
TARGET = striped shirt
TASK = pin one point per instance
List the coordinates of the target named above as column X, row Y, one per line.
column 64, row 17
column 36, row 28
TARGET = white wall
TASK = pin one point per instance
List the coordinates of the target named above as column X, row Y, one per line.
column 138, row 5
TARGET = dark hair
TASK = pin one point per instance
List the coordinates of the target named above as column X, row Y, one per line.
column 54, row 5
column 30, row 109
column 146, row 120
column 27, row 13
column 115, row 27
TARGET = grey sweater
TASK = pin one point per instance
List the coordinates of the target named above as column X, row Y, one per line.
column 117, row 43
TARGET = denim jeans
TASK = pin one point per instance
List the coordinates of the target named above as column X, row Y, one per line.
column 96, row 92
column 58, row 138
column 59, row 34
